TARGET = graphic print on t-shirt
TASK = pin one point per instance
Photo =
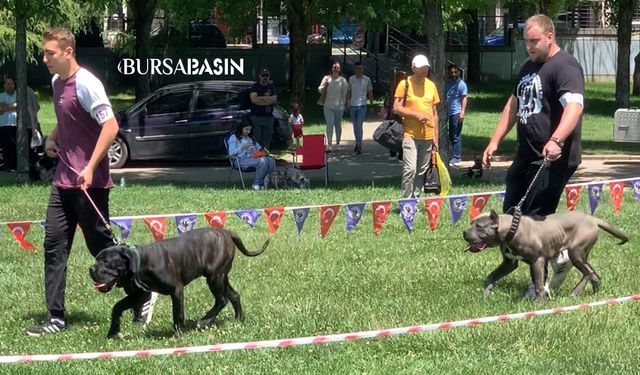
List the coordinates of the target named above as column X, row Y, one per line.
column 529, row 92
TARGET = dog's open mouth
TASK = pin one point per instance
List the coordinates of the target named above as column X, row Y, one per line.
column 476, row 247
column 104, row 287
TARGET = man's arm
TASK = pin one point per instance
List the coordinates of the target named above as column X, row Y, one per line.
column 51, row 146
column 105, row 139
column 262, row 100
column 464, row 107
column 435, row 127
column 568, row 122
column 506, row 122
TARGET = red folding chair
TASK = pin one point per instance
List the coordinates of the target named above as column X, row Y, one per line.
column 314, row 155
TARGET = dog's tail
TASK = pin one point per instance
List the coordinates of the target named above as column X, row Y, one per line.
column 238, row 242
column 614, row 231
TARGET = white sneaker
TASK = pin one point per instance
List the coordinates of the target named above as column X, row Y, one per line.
column 337, row 148
column 255, row 187
column 147, row 309
column 531, row 293
column 561, row 266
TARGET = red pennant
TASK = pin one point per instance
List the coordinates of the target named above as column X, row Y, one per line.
column 573, row 196
column 616, row 195
column 477, row 205
column 19, row 231
column 433, row 206
column 380, row 212
column 216, row 219
column 157, row 226
column 274, row 217
column 327, row 216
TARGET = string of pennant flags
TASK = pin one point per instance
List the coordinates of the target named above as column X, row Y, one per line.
column 157, row 224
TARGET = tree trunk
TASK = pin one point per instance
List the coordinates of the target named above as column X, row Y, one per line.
column 143, row 12
column 636, row 75
column 22, row 145
column 435, row 35
column 298, row 27
column 473, row 47
column 624, row 48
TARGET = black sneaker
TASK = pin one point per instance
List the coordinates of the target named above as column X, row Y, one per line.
column 147, row 309
column 48, row 326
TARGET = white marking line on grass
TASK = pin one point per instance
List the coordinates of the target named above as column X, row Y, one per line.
column 281, row 343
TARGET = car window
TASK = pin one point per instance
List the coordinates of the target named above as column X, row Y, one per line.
column 240, row 99
column 211, row 100
column 170, row 103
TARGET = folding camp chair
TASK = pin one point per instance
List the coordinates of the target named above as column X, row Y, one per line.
column 234, row 164
column 314, row 155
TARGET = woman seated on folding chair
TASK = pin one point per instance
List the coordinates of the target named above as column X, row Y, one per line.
column 249, row 153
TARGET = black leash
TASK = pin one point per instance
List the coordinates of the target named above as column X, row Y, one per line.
column 516, row 211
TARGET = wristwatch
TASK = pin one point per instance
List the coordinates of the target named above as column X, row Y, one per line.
column 557, row 141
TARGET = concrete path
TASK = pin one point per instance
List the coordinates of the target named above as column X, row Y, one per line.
column 371, row 165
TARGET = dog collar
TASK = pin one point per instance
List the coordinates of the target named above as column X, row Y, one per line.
column 515, row 222
column 136, row 277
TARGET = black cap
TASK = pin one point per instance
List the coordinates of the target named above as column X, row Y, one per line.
column 265, row 71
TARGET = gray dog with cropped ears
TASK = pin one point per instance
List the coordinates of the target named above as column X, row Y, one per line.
column 539, row 240
column 166, row 267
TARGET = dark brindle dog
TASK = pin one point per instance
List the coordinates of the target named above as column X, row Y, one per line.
column 539, row 240
column 166, row 267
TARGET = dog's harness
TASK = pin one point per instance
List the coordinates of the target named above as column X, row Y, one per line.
column 136, row 277
column 516, row 212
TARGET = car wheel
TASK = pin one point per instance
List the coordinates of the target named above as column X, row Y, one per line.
column 118, row 154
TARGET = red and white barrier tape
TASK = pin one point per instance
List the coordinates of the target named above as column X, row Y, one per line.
column 308, row 340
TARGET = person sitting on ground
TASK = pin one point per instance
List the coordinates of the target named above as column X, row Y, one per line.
column 250, row 153
column 297, row 122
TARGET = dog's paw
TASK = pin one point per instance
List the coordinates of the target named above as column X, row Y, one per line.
column 113, row 335
column 487, row 291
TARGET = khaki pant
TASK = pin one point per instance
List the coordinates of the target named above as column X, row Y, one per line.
column 416, row 156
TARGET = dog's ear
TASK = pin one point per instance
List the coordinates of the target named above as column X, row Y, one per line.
column 493, row 215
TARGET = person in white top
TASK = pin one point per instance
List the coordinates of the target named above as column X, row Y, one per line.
column 359, row 90
column 333, row 93
column 8, row 125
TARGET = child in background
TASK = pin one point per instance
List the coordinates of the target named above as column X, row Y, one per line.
column 296, row 122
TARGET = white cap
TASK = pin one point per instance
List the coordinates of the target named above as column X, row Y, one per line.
column 419, row 61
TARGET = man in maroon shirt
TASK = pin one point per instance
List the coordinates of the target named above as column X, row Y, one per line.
column 85, row 129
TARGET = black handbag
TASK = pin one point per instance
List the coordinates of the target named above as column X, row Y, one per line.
column 431, row 178
column 391, row 132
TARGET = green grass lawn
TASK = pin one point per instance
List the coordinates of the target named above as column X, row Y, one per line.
column 303, row 285
column 485, row 104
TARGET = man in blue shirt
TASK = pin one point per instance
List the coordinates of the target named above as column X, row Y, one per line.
column 263, row 96
column 456, row 106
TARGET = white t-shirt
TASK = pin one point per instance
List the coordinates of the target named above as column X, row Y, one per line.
column 359, row 88
column 8, row 118
column 293, row 120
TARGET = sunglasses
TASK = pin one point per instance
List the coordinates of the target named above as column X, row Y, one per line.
column 264, row 75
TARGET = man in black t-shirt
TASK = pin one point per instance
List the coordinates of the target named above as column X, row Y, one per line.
column 546, row 106
column 263, row 97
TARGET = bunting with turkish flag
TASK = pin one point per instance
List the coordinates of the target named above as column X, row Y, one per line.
column 408, row 208
column 595, row 193
column 477, row 205
column 616, row 188
column 185, row 223
column 327, row 216
column 216, row 219
column 573, row 196
column 124, row 225
column 300, row 216
column 157, row 227
column 274, row 217
column 456, row 206
column 19, row 232
column 380, row 213
column 433, row 206
column 636, row 187
column 249, row 216
column 354, row 214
